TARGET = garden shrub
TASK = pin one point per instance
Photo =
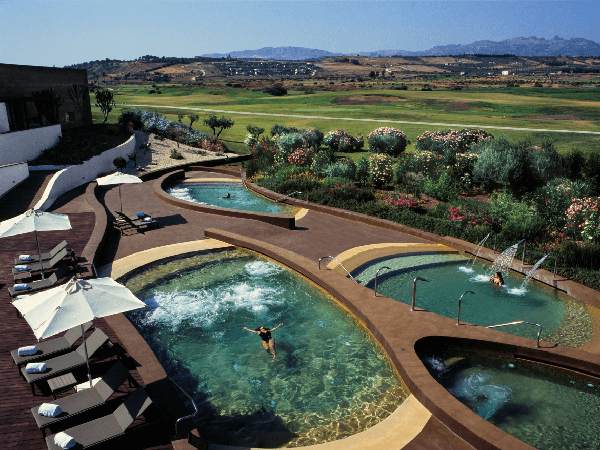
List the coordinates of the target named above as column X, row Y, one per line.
column 387, row 140
column 131, row 117
column 586, row 255
column 321, row 160
column 545, row 163
column 280, row 130
column 583, row 219
column 362, row 171
column 160, row 125
column 460, row 140
column 175, row 155
column 501, row 163
column 592, row 173
column 301, row 156
column 574, row 164
column 313, row 138
column 286, row 144
column 275, row 90
column 553, row 199
column 344, row 168
column 339, row 141
column 381, row 168
column 442, row 188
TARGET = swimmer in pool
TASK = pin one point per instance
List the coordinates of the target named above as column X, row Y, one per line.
column 267, row 341
column 497, row 279
column 227, row 196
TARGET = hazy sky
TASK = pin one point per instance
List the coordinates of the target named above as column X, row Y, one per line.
column 46, row 33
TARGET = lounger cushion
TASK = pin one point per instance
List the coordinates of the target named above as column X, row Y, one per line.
column 140, row 214
column 63, row 440
column 21, row 287
column 36, row 367
column 49, row 410
column 25, row 258
column 27, row 351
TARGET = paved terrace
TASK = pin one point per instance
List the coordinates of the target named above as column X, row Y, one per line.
column 316, row 235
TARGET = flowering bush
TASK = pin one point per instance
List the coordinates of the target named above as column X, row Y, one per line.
column 402, row 201
column 425, row 163
column 339, row 141
column 553, row 199
column 301, row 156
column 320, row 161
column 459, row 141
column 250, row 140
column 362, row 171
column 387, row 140
column 583, row 219
column 286, row 145
column 313, row 138
column 381, row 169
column 466, row 218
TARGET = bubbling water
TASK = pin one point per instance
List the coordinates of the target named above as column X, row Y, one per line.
column 182, row 193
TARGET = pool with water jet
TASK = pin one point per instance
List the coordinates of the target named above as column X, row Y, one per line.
column 211, row 193
column 546, row 406
column 332, row 379
column 565, row 320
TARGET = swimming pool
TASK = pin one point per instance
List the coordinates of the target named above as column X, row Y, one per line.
column 565, row 320
column 331, row 380
column 212, row 193
column 544, row 406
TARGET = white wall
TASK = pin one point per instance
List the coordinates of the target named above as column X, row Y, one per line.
column 27, row 145
column 4, row 125
column 74, row 176
column 11, row 175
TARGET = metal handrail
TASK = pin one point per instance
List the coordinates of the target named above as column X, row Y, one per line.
column 555, row 261
column 286, row 196
column 95, row 272
column 412, row 308
column 384, row 267
column 519, row 322
column 459, row 302
column 185, row 417
column 341, row 265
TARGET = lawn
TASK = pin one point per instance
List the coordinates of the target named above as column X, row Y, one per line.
column 555, row 109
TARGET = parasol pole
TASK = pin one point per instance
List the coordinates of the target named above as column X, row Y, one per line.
column 39, row 253
column 120, row 197
column 87, row 359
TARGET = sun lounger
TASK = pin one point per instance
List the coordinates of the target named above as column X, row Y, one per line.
column 86, row 399
column 111, row 427
column 73, row 360
column 33, row 286
column 46, row 265
column 126, row 223
column 52, row 347
column 45, row 256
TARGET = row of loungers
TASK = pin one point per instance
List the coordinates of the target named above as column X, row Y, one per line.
column 59, row 356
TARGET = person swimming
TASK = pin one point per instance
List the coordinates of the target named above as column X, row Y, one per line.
column 267, row 341
column 227, row 196
column 497, row 279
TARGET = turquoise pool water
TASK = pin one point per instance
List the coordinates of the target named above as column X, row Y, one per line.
column 209, row 193
column 331, row 379
column 565, row 320
column 546, row 407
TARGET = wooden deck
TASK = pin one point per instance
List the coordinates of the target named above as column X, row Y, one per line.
column 17, row 426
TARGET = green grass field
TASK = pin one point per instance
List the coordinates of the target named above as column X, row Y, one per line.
column 553, row 109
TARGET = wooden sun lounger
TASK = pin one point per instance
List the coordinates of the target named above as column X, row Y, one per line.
column 86, row 399
column 46, row 265
column 126, row 223
column 111, row 427
column 60, row 273
column 52, row 347
column 73, row 360
column 45, row 256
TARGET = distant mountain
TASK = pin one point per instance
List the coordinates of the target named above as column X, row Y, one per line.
column 277, row 53
column 520, row 46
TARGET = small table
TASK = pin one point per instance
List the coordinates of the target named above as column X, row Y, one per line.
column 61, row 383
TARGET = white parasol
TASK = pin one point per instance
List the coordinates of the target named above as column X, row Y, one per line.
column 75, row 303
column 118, row 178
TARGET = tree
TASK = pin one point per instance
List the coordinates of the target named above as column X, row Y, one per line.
column 255, row 131
column 77, row 93
column 193, row 118
column 48, row 103
column 104, row 99
column 218, row 124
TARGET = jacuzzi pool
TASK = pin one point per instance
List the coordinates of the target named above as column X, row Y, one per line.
column 331, row 380
column 211, row 193
column 565, row 320
column 544, row 406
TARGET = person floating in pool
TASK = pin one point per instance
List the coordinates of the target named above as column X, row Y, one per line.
column 227, row 196
column 267, row 341
column 497, row 279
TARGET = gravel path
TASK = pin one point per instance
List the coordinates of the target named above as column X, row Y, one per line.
column 158, row 155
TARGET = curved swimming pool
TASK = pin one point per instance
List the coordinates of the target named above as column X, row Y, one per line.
column 544, row 406
column 331, row 379
column 212, row 193
column 565, row 320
